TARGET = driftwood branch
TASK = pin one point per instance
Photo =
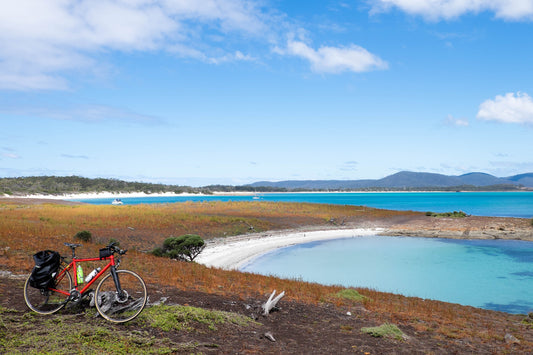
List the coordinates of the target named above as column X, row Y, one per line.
column 271, row 303
column 108, row 303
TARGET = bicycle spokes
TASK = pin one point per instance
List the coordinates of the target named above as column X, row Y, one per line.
column 47, row 301
column 124, row 305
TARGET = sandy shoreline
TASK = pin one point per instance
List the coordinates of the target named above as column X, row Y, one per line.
column 234, row 252
column 106, row 194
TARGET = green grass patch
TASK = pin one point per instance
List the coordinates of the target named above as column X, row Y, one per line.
column 526, row 321
column 178, row 318
column 72, row 334
column 350, row 294
column 385, row 330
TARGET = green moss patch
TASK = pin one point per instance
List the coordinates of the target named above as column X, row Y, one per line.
column 29, row 333
column 385, row 330
column 350, row 294
column 179, row 318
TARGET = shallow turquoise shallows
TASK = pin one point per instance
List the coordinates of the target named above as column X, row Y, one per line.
column 490, row 274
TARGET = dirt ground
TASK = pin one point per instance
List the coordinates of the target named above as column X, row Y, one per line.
column 295, row 328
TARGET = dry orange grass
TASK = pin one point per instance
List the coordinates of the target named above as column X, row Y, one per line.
column 32, row 227
column 25, row 229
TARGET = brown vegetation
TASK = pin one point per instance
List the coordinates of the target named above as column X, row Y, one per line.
column 26, row 228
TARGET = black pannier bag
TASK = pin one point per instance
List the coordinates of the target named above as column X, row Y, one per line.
column 105, row 252
column 46, row 266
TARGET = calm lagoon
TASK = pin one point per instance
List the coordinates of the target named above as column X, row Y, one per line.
column 490, row 274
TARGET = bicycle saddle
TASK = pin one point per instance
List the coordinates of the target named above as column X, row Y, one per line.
column 72, row 245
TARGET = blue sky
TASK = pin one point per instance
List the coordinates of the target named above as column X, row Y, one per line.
column 231, row 91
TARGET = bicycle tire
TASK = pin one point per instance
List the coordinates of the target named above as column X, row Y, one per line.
column 119, row 309
column 48, row 301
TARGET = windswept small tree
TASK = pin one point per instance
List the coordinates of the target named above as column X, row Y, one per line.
column 85, row 236
column 184, row 248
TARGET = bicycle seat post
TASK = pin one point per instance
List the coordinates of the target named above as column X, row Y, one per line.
column 73, row 247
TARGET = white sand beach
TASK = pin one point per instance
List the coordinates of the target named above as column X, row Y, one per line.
column 82, row 196
column 234, row 252
column 106, row 194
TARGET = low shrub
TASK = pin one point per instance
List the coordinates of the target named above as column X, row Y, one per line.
column 454, row 214
column 84, row 236
column 185, row 248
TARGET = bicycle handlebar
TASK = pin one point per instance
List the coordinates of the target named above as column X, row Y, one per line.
column 114, row 249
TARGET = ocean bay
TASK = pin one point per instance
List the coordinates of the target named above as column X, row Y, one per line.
column 490, row 274
column 495, row 204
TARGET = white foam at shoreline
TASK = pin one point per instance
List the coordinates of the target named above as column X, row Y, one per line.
column 234, row 252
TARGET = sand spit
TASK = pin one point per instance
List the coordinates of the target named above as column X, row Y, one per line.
column 234, row 252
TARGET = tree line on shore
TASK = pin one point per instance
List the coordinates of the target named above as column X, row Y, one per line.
column 59, row 185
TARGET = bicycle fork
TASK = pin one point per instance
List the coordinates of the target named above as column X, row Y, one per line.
column 113, row 271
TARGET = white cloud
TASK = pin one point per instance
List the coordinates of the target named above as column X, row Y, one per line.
column 452, row 121
column 511, row 108
column 41, row 40
column 84, row 113
column 349, row 166
column 11, row 155
column 335, row 59
column 434, row 10
column 70, row 156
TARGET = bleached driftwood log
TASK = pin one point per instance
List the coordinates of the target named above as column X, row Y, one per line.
column 271, row 303
column 109, row 305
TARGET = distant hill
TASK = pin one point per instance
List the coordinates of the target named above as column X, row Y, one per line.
column 409, row 180
column 405, row 180
column 523, row 179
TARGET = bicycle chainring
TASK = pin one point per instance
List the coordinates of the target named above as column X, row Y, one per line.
column 75, row 295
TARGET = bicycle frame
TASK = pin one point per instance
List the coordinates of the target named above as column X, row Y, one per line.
column 111, row 265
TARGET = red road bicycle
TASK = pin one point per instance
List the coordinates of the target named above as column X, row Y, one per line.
column 119, row 297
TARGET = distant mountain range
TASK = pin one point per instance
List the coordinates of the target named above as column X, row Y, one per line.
column 406, row 180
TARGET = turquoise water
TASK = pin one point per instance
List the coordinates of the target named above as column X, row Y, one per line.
column 490, row 274
column 502, row 204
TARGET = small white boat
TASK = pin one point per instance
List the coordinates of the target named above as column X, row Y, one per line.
column 117, row 201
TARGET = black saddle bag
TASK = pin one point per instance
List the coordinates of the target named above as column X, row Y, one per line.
column 46, row 266
column 105, row 253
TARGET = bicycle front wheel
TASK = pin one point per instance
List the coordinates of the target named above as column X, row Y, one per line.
column 49, row 300
column 120, row 307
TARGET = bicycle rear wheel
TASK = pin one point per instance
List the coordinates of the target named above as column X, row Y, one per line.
column 48, row 301
column 120, row 308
